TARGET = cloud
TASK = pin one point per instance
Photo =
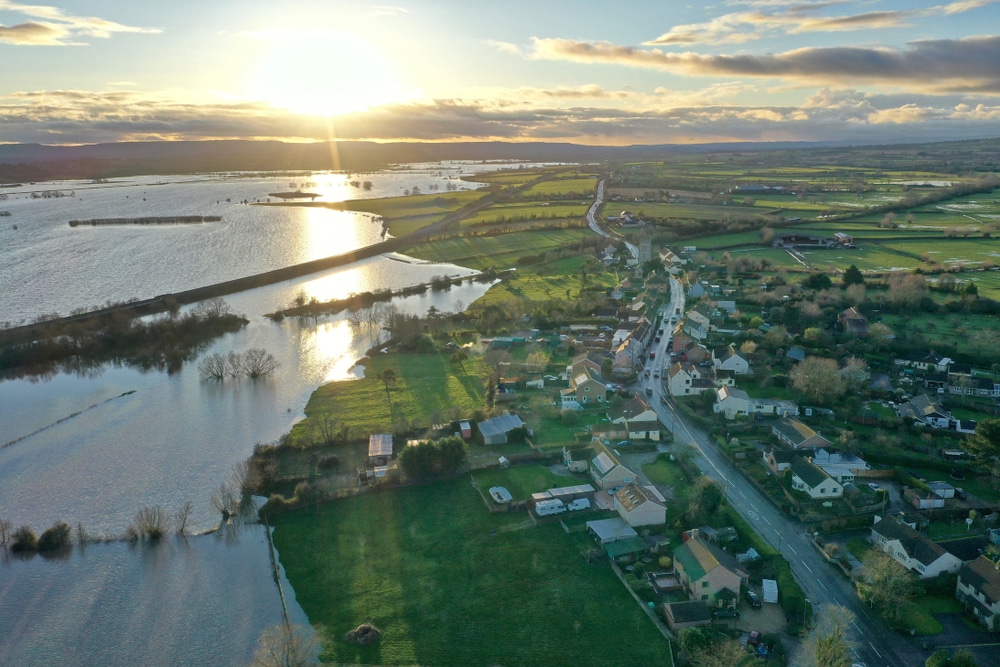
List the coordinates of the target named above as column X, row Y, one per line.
column 73, row 116
column 941, row 65
column 387, row 10
column 56, row 28
column 963, row 6
column 505, row 47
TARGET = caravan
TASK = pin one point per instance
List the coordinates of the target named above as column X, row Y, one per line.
column 551, row 506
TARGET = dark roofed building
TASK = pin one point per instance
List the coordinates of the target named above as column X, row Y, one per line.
column 797, row 435
column 912, row 550
column 680, row 615
column 978, row 587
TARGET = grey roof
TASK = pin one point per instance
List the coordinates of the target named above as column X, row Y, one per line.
column 916, row 545
column 693, row 611
column 380, row 444
column 612, row 529
column 499, row 425
column 808, row 472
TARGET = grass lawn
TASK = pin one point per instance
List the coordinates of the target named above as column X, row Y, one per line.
column 584, row 187
column 526, row 211
column 920, row 614
column 522, row 481
column 449, row 583
column 859, row 547
column 664, row 471
column 428, row 387
column 480, row 252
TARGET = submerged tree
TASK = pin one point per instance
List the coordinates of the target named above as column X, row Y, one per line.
column 285, row 645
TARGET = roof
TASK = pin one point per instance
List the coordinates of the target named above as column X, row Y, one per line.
column 611, row 529
column 380, row 444
column 797, row 432
column 810, row 473
column 499, row 425
column 633, row 407
column 966, row 549
column 632, row 496
column 917, row 546
column 796, row 353
column 629, row 545
column 983, row 575
column 697, row 557
column 693, row 611
column 732, row 392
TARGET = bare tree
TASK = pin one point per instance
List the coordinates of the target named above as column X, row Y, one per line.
column 215, row 307
column 285, row 645
column 5, row 531
column 818, row 378
column 828, row 644
column 150, row 522
column 224, row 501
column 890, row 586
column 212, row 367
column 182, row 517
column 257, row 363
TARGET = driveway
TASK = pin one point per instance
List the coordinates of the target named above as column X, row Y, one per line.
column 985, row 646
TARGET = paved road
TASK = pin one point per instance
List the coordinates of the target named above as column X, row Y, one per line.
column 875, row 644
column 592, row 221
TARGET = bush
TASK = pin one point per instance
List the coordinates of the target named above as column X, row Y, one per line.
column 938, row 659
column 55, row 538
column 24, row 539
column 277, row 504
column 331, row 461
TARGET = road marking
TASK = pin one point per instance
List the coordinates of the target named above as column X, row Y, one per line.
column 876, row 650
column 820, row 582
column 743, row 495
column 754, row 507
column 806, row 565
column 753, row 515
column 793, row 550
column 857, row 628
column 765, row 520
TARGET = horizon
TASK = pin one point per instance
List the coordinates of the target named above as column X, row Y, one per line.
column 425, row 71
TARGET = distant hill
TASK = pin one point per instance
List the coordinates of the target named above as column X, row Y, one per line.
column 35, row 162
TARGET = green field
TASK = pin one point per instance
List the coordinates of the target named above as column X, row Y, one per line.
column 480, row 252
column 564, row 187
column 525, row 211
column 448, row 583
column 868, row 257
column 426, row 386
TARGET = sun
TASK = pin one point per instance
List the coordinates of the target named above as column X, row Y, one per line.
column 323, row 72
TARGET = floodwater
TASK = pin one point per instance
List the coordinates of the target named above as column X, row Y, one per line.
column 93, row 448
column 200, row 600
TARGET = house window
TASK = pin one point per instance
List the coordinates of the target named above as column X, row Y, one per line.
column 704, row 597
column 704, row 584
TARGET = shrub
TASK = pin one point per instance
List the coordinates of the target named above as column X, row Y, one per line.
column 150, row 522
column 277, row 504
column 55, row 538
column 331, row 461
column 938, row 659
column 24, row 539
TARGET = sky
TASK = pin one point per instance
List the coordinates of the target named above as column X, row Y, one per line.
column 600, row 73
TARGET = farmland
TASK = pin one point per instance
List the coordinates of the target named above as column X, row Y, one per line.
column 444, row 580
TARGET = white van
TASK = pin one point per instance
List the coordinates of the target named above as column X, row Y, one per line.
column 579, row 504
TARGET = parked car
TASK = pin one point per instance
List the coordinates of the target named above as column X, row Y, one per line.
column 652, row 355
column 726, row 612
column 623, row 443
column 754, row 638
column 874, row 487
column 649, row 391
column 960, row 493
column 753, row 599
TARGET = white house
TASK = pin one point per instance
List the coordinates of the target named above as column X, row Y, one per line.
column 734, row 402
column 978, row 587
column 809, row 477
column 912, row 550
column 728, row 359
column 641, row 505
column 606, row 468
column 682, row 379
column 923, row 409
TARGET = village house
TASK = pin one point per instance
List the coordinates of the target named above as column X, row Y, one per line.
column 606, row 468
column 853, row 322
column 728, row 359
column 685, row 379
column 841, row 466
column 733, row 402
column 978, row 587
column 793, row 433
column 809, row 477
column 708, row 573
column 931, row 361
column 924, row 410
column 634, row 420
column 912, row 550
column 778, row 460
column 641, row 505
column 577, row 459
column 585, row 388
